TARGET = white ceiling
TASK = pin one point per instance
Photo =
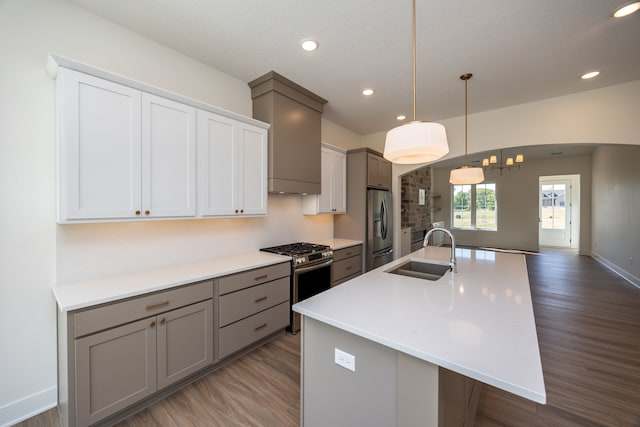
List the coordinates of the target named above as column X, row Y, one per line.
column 518, row 50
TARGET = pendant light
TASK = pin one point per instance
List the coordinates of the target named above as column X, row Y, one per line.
column 466, row 174
column 416, row 141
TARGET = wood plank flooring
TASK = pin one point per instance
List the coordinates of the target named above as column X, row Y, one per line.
column 588, row 323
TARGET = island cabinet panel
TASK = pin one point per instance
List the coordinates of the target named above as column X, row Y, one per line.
column 335, row 396
column 347, row 264
column 384, row 388
column 251, row 306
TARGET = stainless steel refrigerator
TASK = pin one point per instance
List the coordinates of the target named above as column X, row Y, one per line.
column 379, row 245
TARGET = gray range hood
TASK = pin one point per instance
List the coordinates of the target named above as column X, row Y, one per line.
column 294, row 136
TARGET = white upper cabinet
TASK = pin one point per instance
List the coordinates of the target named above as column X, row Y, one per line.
column 99, row 148
column 128, row 151
column 333, row 197
column 123, row 153
column 233, row 167
column 168, row 158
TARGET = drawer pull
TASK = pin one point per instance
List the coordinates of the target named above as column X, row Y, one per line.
column 348, row 253
column 264, row 276
column 257, row 300
column 152, row 324
column 158, row 305
column 348, row 267
column 162, row 321
column 257, row 328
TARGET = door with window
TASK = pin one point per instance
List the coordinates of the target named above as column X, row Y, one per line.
column 555, row 212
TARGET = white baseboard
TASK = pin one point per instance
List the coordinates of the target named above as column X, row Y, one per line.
column 29, row 406
column 619, row 271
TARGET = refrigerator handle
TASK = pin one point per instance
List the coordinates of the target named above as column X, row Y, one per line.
column 383, row 219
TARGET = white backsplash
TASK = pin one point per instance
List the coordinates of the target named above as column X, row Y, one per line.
column 86, row 251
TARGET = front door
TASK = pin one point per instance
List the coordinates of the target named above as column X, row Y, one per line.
column 555, row 212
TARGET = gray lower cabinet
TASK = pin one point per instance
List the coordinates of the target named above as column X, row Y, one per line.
column 115, row 355
column 118, row 357
column 252, row 305
column 347, row 264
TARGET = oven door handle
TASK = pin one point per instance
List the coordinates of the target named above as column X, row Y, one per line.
column 312, row 267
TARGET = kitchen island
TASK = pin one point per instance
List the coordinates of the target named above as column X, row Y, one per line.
column 386, row 349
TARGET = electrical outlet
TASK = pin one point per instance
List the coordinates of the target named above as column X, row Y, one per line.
column 345, row 360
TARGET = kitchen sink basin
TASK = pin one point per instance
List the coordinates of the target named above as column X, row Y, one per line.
column 421, row 269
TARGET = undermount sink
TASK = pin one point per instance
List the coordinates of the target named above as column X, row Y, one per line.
column 421, row 269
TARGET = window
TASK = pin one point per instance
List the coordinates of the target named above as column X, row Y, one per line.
column 475, row 206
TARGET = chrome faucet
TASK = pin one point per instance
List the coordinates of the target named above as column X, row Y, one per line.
column 452, row 263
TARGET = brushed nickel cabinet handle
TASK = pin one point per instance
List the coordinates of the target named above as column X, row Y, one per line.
column 158, row 305
column 264, row 276
column 257, row 300
column 152, row 324
column 257, row 328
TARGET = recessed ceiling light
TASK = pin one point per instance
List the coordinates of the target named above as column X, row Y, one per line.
column 627, row 9
column 590, row 75
column 309, row 45
column 367, row 92
column 401, row 117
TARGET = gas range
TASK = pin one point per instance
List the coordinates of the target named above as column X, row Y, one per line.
column 302, row 254
column 311, row 267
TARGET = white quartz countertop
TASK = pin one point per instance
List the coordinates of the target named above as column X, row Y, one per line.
column 336, row 244
column 478, row 322
column 76, row 295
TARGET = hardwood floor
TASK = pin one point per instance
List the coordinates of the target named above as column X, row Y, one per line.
column 588, row 323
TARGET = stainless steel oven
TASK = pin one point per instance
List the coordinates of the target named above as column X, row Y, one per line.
column 310, row 273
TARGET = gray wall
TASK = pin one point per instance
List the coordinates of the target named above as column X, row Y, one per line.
column 517, row 193
column 616, row 209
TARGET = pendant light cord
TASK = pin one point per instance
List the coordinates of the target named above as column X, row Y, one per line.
column 466, row 155
column 414, row 60
column 466, row 78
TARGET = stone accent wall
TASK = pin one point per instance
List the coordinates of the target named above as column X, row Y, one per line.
column 412, row 214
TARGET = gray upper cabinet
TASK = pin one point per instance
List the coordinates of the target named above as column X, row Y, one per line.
column 378, row 172
column 294, row 136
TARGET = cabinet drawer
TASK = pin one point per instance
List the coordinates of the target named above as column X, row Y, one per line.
column 347, row 252
column 247, row 331
column 238, row 281
column 244, row 303
column 118, row 313
column 346, row 267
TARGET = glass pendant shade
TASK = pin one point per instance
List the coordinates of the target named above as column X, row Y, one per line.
column 466, row 175
column 416, row 142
